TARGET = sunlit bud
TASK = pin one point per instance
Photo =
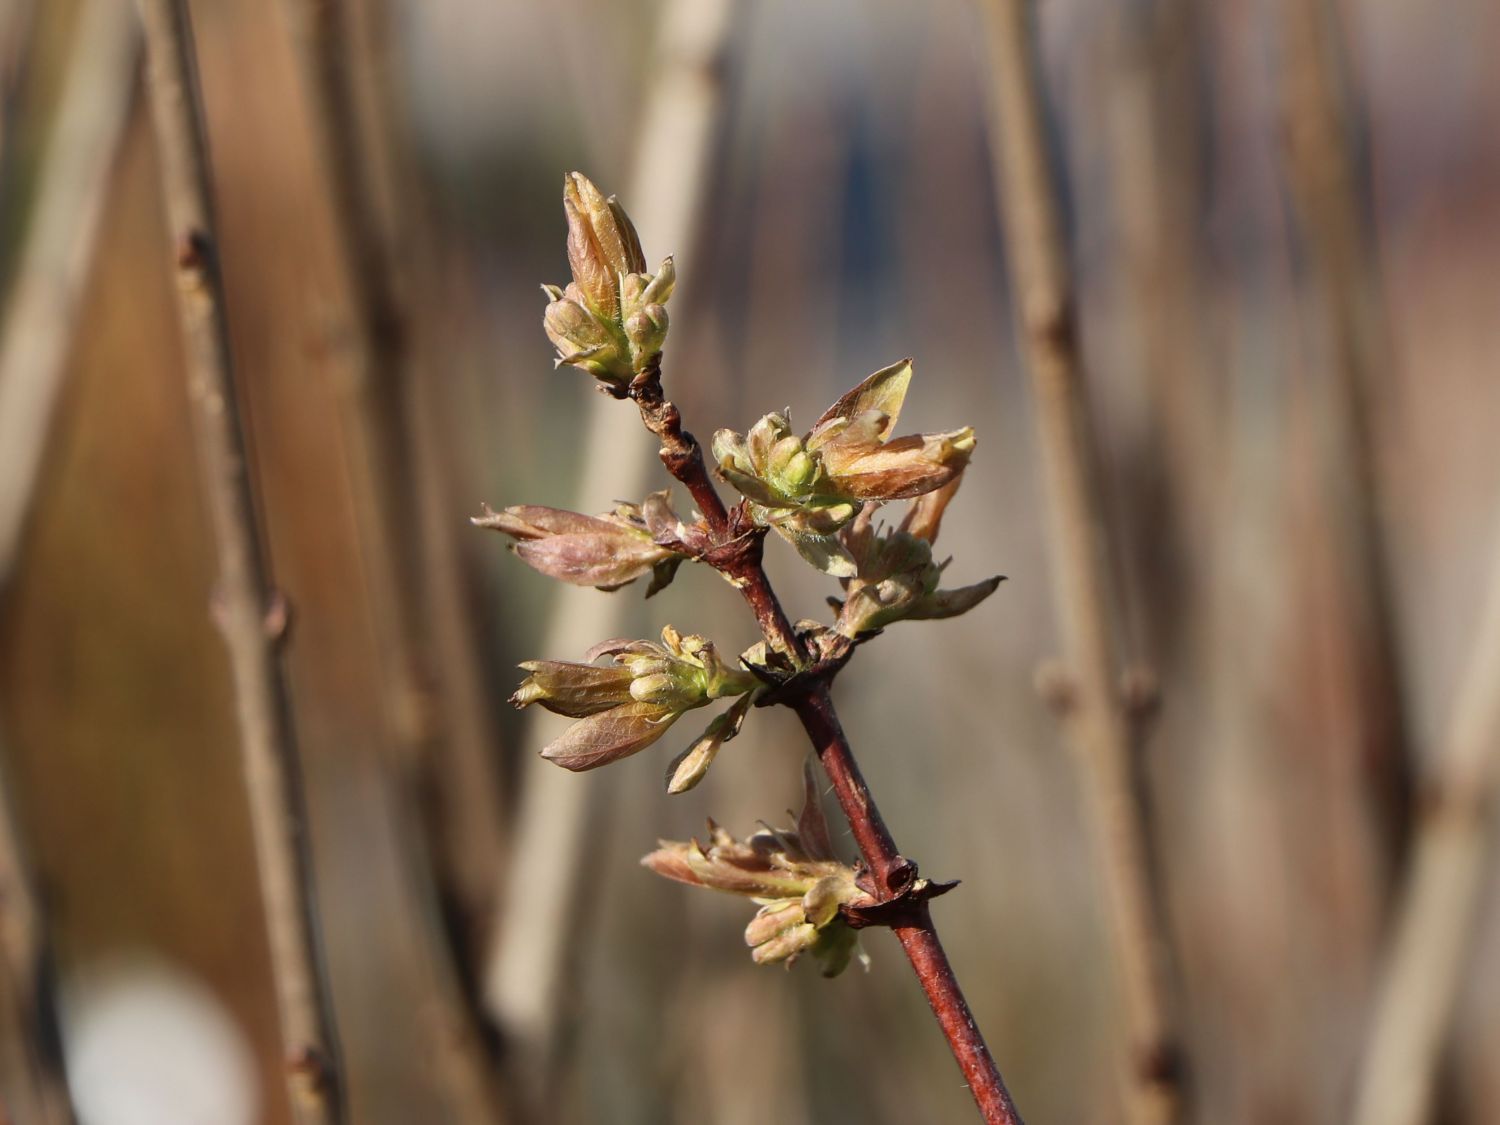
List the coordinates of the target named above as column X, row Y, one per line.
column 575, row 690
column 899, row 469
column 605, row 551
column 808, row 488
column 661, row 285
column 647, row 332
column 796, row 939
column 583, row 340
column 611, row 320
column 691, row 766
column 626, row 706
column 602, row 244
column 895, row 577
column 790, row 872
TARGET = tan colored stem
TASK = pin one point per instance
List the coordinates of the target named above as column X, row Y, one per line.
column 384, row 473
column 33, row 1085
column 246, row 609
column 42, row 309
column 535, row 938
column 1320, row 169
column 1438, row 904
column 1095, row 719
column 40, row 321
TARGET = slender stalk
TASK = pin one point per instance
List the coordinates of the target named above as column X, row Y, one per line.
column 42, row 309
column 892, row 873
column 40, row 320
column 384, row 472
column 1322, row 177
column 1095, row 719
column 1438, row 907
column 248, row 613
column 33, row 1084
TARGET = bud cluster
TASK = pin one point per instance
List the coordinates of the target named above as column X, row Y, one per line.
column 626, row 706
column 809, row 487
column 895, row 576
column 819, row 491
column 611, row 319
column 791, row 873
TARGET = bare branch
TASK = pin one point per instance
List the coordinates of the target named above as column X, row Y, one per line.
column 1096, row 722
column 1439, row 900
column 245, row 606
column 383, row 456
column 42, row 312
column 1323, row 180
column 32, row 1081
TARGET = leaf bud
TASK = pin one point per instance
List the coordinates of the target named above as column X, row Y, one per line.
column 808, row 488
column 605, row 551
column 611, row 320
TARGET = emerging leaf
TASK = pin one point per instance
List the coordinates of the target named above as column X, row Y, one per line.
column 799, row 885
column 895, row 576
column 610, row 735
column 626, row 706
column 606, row 551
column 691, row 766
column 808, row 488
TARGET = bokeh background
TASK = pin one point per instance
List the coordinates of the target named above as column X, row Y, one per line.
column 822, row 173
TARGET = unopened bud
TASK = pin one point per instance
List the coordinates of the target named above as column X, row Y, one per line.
column 620, row 322
column 647, row 332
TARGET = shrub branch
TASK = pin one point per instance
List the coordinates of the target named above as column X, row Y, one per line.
column 892, row 878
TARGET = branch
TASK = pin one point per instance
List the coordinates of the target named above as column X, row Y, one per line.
column 1096, row 722
column 892, row 875
column 384, row 469
column 1322, row 180
column 42, row 310
column 33, row 1084
column 1438, row 905
column 249, row 616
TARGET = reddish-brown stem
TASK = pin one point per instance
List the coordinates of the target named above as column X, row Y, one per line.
column 683, row 457
column 892, row 874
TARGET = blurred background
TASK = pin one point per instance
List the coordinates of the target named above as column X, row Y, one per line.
column 1296, row 407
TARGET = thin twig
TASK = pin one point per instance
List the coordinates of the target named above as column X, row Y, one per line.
column 33, row 1085
column 535, row 936
column 1321, row 172
column 42, row 310
column 1095, row 719
column 1439, row 901
column 383, row 471
column 250, row 617
column 893, row 876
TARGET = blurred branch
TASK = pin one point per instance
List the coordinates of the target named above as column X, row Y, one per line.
column 1154, row 107
column 535, row 937
column 1095, row 717
column 42, row 310
column 33, row 1085
column 40, row 321
column 1439, row 901
column 17, row 21
column 383, row 460
column 251, row 618
column 1320, row 167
